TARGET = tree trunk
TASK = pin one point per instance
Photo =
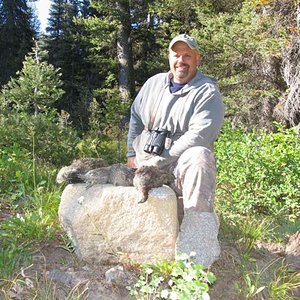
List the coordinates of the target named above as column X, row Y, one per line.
column 124, row 52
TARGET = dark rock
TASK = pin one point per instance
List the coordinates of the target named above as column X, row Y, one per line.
column 292, row 250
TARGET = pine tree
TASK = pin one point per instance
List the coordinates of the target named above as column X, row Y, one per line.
column 16, row 36
column 110, row 31
column 69, row 53
column 36, row 88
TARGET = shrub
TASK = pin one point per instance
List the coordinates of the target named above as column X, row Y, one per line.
column 113, row 150
column 45, row 134
column 13, row 179
column 259, row 172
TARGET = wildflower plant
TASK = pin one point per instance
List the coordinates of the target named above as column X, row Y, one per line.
column 181, row 279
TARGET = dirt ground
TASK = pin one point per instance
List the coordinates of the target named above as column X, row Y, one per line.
column 56, row 273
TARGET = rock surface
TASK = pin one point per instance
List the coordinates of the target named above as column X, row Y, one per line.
column 107, row 225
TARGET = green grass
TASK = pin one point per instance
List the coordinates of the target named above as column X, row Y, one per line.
column 34, row 223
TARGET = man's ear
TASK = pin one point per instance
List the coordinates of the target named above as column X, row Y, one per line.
column 199, row 59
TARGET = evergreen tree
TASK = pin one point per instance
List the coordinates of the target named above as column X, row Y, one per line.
column 69, row 53
column 109, row 34
column 124, row 52
column 36, row 88
column 16, row 36
column 243, row 48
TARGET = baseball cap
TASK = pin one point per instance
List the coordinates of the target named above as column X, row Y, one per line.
column 190, row 41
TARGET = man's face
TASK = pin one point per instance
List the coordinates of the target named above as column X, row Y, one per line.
column 183, row 62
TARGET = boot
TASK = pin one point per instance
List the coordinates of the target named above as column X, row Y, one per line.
column 198, row 234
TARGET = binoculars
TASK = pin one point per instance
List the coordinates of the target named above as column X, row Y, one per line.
column 156, row 141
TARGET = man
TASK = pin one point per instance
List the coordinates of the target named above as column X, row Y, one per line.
column 182, row 111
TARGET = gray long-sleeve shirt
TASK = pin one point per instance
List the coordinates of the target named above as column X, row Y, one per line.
column 193, row 115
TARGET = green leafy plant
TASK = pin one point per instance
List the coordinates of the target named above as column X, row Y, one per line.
column 51, row 137
column 181, row 279
column 110, row 150
column 106, row 137
column 259, row 172
column 13, row 181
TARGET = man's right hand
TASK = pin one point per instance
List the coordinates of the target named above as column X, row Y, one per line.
column 131, row 162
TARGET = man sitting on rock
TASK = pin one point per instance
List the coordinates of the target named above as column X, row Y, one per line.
column 175, row 119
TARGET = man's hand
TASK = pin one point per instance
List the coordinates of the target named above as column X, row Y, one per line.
column 131, row 162
column 155, row 161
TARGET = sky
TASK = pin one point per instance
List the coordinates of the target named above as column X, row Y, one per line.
column 42, row 7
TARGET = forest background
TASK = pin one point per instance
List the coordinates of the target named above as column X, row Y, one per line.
column 66, row 94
